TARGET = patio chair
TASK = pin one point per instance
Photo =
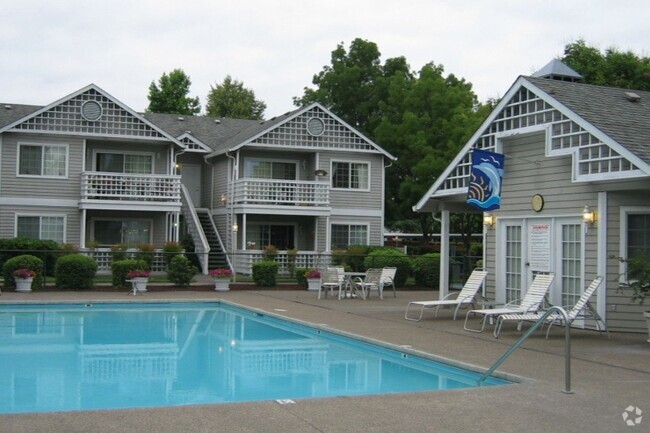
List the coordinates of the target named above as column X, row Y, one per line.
column 465, row 297
column 329, row 281
column 387, row 278
column 582, row 309
column 371, row 281
column 531, row 302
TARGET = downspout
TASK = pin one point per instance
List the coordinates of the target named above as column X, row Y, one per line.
column 231, row 202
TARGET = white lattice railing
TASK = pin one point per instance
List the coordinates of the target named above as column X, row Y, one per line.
column 141, row 187
column 244, row 259
column 282, row 192
column 104, row 258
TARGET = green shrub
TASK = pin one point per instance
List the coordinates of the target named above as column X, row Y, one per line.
column 26, row 261
column 265, row 273
column 44, row 249
column 145, row 253
column 426, row 269
column 300, row 276
column 170, row 250
column 122, row 267
column 119, row 252
column 352, row 258
column 390, row 257
column 181, row 271
column 75, row 271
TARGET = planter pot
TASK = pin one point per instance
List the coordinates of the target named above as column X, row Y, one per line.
column 23, row 284
column 140, row 283
column 646, row 314
column 313, row 283
column 221, row 284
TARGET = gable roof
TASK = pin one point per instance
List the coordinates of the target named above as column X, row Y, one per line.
column 612, row 117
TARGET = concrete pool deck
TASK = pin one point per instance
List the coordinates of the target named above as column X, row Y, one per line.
column 608, row 375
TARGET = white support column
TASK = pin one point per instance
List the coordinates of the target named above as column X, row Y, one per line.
column 444, row 254
column 601, row 254
column 82, row 231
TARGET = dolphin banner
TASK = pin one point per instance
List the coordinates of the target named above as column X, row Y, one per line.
column 484, row 190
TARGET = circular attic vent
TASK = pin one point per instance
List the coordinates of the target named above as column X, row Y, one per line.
column 91, row 111
column 315, row 126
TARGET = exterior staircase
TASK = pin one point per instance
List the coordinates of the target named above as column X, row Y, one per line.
column 217, row 257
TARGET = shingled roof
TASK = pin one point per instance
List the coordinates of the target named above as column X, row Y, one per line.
column 623, row 115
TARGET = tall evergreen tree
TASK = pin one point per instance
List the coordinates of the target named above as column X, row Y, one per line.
column 170, row 95
column 232, row 99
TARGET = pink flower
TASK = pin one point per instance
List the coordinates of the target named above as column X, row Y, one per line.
column 138, row 273
column 312, row 273
column 221, row 273
column 24, row 273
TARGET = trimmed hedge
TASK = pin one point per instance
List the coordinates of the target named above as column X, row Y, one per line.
column 265, row 273
column 26, row 261
column 13, row 247
column 181, row 271
column 426, row 269
column 390, row 257
column 122, row 267
column 75, row 272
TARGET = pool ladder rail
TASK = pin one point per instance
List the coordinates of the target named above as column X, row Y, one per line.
column 537, row 324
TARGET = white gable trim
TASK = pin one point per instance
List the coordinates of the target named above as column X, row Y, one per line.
column 204, row 147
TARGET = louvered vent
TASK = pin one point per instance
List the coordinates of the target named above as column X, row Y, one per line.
column 91, row 111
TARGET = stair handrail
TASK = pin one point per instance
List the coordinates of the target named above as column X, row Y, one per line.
column 223, row 248
column 194, row 227
column 537, row 324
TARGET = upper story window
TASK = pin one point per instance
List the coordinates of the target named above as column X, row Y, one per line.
column 350, row 175
column 638, row 235
column 45, row 160
column 124, row 163
column 266, row 169
column 344, row 235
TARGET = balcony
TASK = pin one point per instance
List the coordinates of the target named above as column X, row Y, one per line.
column 271, row 192
column 130, row 191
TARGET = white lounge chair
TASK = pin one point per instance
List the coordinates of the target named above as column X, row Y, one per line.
column 466, row 296
column 329, row 280
column 582, row 309
column 531, row 302
column 387, row 278
column 371, row 281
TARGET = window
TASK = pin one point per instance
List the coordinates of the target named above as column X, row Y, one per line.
column 129, row 232
column 124, row 163
column 261, row 169
column 41, row 227
column 282, row 236
column 42, row 160
column 346, row 235
column 350, row 175
column 638, row 235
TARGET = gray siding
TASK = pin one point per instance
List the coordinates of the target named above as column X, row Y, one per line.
column 161, row 155
column 351, row 199
column 8, row 219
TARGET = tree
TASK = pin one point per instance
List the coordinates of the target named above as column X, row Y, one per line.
column 170, row 95
column 611, row 68
column 423, row 118
column 231, row 99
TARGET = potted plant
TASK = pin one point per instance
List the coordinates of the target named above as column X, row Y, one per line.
column 23, row 278
column 313, row 279
column 140, row 279
column 638, row 279
column 221, row 279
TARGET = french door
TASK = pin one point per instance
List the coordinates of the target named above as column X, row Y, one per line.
column 532, row 245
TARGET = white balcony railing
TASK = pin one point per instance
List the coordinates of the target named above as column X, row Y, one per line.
column 139, row 187
column 281, row 192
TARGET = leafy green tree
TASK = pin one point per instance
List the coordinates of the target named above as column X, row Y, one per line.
column 612, row 68
column 232, row 99
column 170, row 95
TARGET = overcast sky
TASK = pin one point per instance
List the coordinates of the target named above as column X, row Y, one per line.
column 51, row 48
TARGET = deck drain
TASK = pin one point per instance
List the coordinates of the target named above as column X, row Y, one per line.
column 285, row 401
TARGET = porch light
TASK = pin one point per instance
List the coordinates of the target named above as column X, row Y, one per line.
column 588, row 216
column 488, row 220
column 224, row 199
column 235, row 228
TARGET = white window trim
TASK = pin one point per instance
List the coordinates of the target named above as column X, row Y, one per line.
column 42, row 145
column 350, row 223
column 40, row 222
column 622, row 237
column 93, row 162
column 94, row 219
column 333, row 161
column 248, row 159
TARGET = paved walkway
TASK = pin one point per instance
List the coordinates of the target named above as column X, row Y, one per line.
column 608, row 375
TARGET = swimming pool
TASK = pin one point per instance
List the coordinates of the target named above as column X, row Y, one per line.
column 66, row 357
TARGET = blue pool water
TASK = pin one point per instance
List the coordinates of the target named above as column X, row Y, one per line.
column 103, row 356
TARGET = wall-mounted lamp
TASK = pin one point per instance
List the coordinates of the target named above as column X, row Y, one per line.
column 235, row 228
column 588, row 216
column 223, row 199
column 488, row 220
column 320, row 173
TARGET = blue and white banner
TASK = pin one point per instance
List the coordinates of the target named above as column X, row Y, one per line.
column 484, row 191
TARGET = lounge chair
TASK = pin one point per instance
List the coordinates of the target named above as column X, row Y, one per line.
column 329, row 281
column 582, row 309
column 466, row 296
column 371, row 281
column 531, row 303
column 387, row 278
